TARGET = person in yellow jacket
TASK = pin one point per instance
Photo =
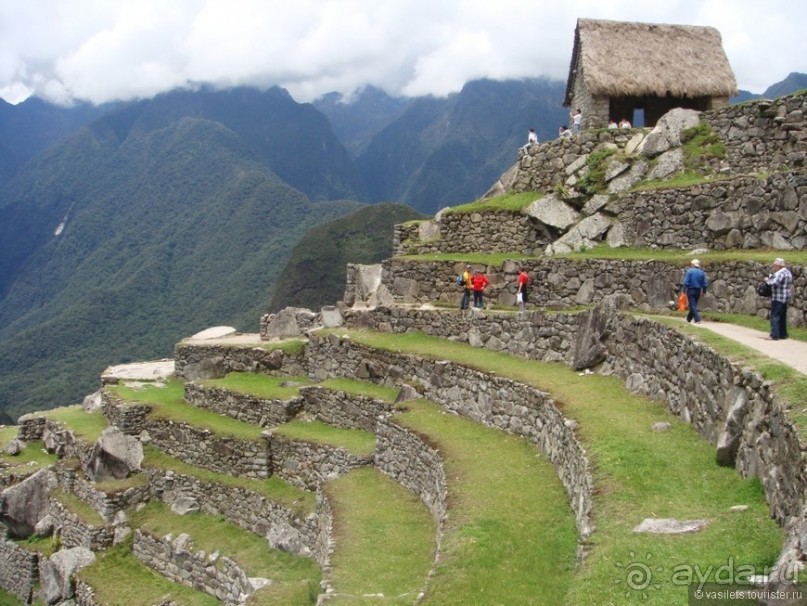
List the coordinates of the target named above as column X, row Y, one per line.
column 466, row 288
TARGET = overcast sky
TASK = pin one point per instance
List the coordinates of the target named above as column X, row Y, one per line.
column 102, row 50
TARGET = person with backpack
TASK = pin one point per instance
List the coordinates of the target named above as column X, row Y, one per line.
column 781, row 282
column 464, row 280
column 479, row 282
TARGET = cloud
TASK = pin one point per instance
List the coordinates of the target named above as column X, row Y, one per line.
column 103, row 50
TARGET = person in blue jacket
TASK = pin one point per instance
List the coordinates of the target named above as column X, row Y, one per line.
column 694, row 285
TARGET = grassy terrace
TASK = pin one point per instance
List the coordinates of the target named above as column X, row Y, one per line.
column 32, row 458
column 384, row 540
column 301, row 502
column 262, row 386
column 84, row 425
column 119, row 579
column 293, row 577
column 362, row 388
column 356, row 441
column 169, row 404
column 510, row 536
column 638, row 474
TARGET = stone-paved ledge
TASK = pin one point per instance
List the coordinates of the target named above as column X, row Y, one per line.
column 243, row 407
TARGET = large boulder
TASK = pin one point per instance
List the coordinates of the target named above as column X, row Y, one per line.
column 593, row 330
column 23, row 505
column 57, row 572
column 667, row 132
column 115, row 456
column 554, row 212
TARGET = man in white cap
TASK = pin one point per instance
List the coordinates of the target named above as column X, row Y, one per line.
column 781, row 281
column 694, row 285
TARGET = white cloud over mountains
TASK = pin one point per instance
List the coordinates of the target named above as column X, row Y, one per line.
column 103, row 50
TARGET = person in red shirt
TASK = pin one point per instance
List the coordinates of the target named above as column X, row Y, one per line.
column 479, row 282
column 521, row 290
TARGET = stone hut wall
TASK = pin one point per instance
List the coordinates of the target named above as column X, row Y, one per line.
column 215, row 575
column 130, row 418
column 284, row 528
column 19, row 570
column 341, row 409
column 307, row 465
column 243, row 407
column 490, row 400
column 194, row 362
column 557, row 282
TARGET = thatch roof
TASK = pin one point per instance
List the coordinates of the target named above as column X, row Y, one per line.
column 620, row 58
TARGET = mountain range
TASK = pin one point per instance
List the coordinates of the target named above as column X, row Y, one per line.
column 125, row 227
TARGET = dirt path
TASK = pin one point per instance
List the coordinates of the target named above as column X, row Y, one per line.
column 790, row 352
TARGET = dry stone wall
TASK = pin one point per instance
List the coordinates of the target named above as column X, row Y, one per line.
column 342, row 409
column 19, row 569
column 558, row 282
column 490, row 400
column 213, row 574
column 194, row 362
column 285, row 529
column 243, row 407
column 307, row 465
column 74, row 532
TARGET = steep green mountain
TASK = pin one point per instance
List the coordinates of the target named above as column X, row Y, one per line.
column 134, row 233
column 357, row 120
column 794, row 81
column 441, row 152
column 315, row 273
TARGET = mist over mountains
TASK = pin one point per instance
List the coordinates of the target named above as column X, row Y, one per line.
column 125, row 227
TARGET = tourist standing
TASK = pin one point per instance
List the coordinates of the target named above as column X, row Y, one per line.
column 521, row 289
column 479, row 282
column 695, row 283
column 781, row 281
column 577, row 121
column 532, row 139
column 466, row 288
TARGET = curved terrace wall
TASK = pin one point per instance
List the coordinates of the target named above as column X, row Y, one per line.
column 491, row 400
column 730, row 406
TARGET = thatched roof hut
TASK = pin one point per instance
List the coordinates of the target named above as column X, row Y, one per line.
column 647, row 66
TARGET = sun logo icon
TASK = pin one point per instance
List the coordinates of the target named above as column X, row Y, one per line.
column 638, row 575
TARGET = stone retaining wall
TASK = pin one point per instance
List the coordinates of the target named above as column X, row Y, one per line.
column 491, row 400
column 107, row 505
column 293, row 532
column 410, row 461
column 495, row 231
column 130, row 417
column 244, row 407
column 19, row 569
column 307, row 465
column 567, row 283
column 346, row 410
column 215, row 575
column 194, row 362
column 731, row 407
column 74, row 532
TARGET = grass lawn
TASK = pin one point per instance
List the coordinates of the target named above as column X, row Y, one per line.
column 357, row 441
column 639, row 474
column 213, row 534
column 261, row 386
column 85, row 425
column 384, row 537
column 510, row 536
column 31, row 458
column 169, row 404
